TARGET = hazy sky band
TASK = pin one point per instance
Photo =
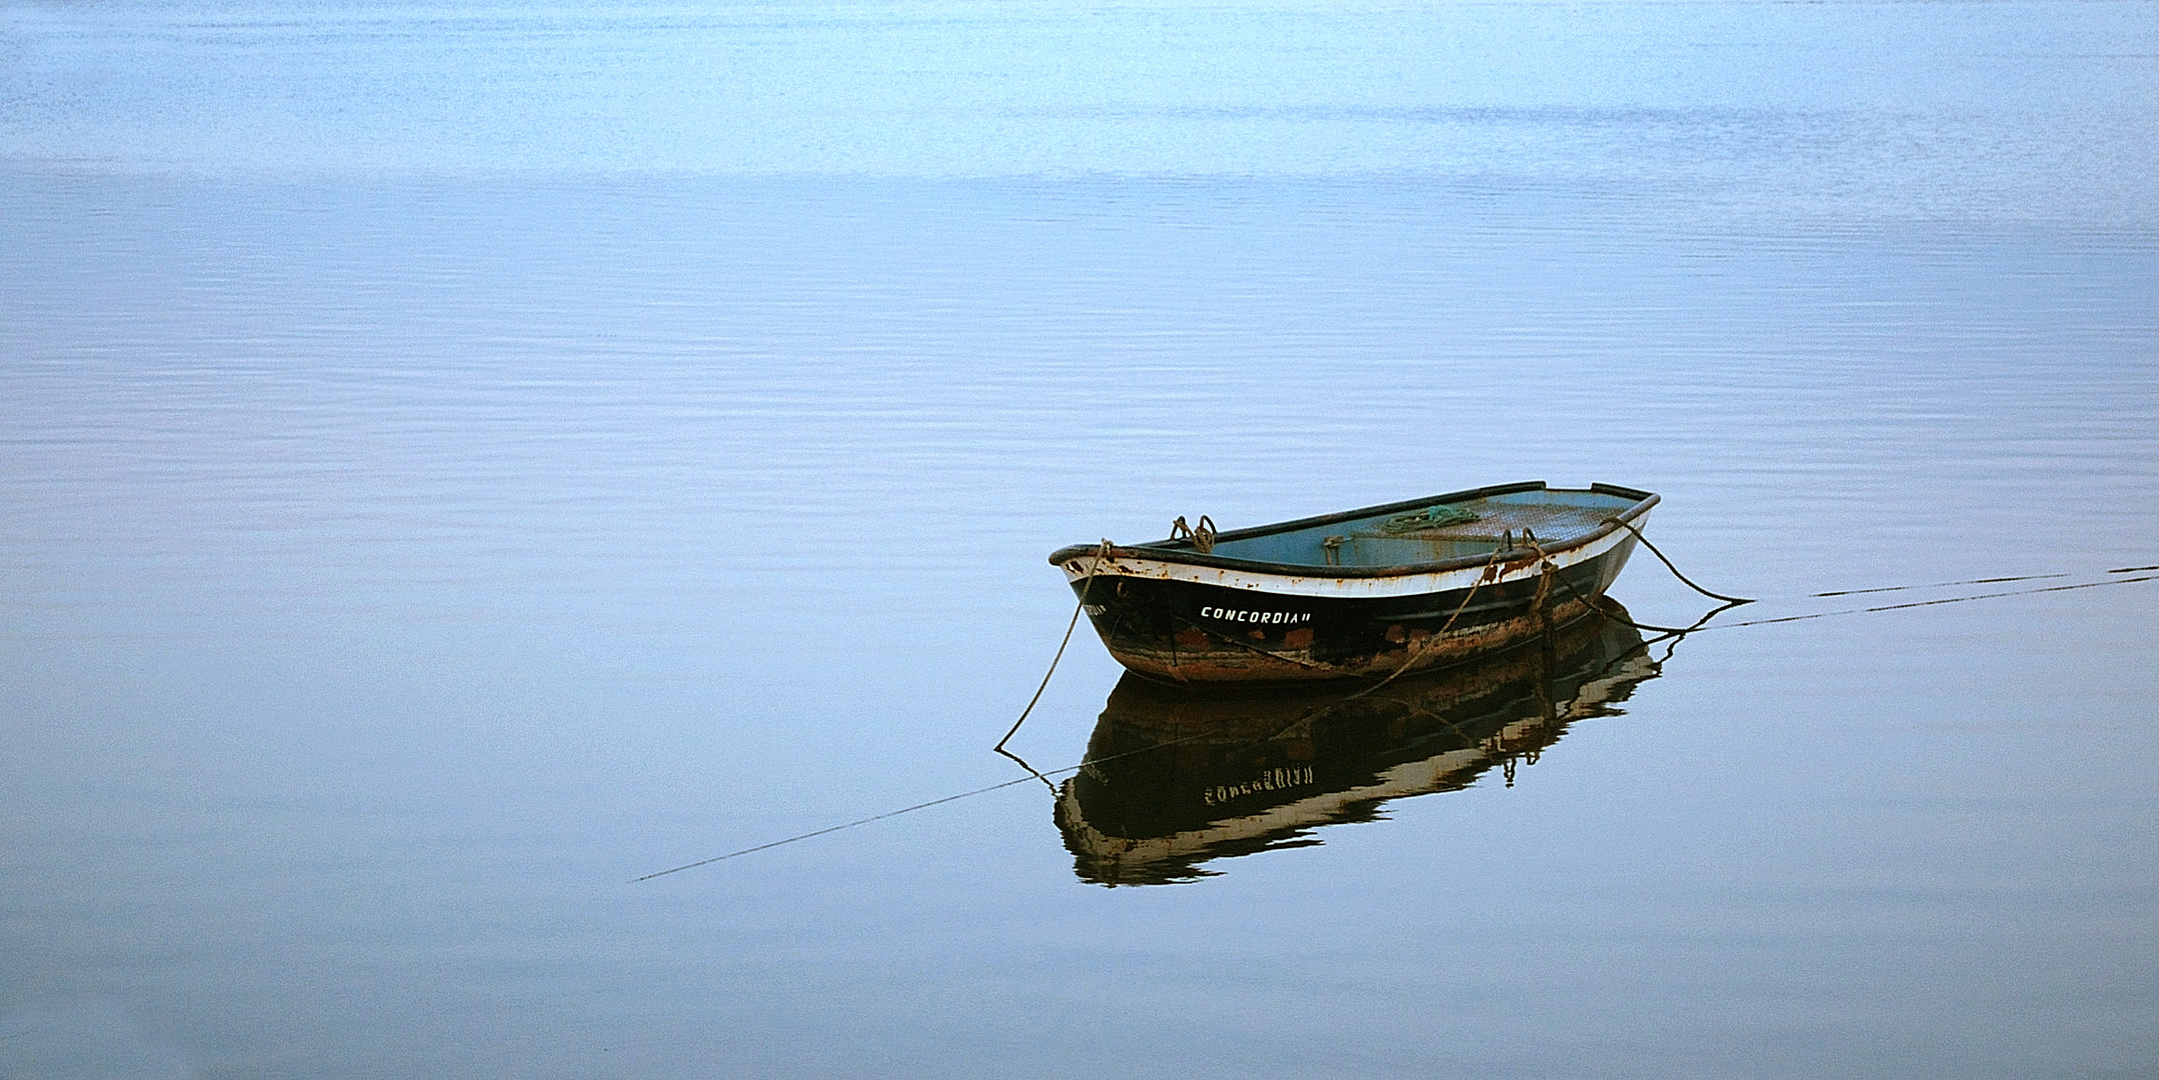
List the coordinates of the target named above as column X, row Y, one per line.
column 2019, row 110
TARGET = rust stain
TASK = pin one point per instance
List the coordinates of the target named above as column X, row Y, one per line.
column 1197, row 657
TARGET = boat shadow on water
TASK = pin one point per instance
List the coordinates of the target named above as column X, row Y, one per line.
column 1175, row 777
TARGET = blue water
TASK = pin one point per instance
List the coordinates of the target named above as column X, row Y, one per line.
column 454, row 462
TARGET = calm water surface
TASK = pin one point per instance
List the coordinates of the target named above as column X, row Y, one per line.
column 453, row 464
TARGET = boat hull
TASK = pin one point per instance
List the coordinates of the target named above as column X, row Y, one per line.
column 1184, row 624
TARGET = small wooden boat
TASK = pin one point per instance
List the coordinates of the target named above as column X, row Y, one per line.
column 1360, row 594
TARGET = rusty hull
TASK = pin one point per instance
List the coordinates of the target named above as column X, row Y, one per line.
column 1157, row 628
column 1178, row 615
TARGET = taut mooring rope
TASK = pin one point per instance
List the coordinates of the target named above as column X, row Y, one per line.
column 837, row 828
column 1675, row 633
column 1944, row 600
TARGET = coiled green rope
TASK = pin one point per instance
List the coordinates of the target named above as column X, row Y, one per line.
column 1433, row 517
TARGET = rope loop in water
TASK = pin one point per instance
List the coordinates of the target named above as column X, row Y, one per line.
column 1101, row 555
column 1674, row 569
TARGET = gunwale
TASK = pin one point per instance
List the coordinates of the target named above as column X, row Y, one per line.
column 1180, row 551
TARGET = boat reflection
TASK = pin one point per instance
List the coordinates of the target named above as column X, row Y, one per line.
column 1177, row 777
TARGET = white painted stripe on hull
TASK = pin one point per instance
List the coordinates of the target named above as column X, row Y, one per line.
column 1319, row 584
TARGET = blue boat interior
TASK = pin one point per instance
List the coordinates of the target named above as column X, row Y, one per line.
column 1437, row 532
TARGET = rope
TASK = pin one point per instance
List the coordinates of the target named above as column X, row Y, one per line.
column 1434, row 517
column 1033, row 774
column 1100, row 554
column 1946, row 584
column 1674, row 569
column 1931, row 603
column 837, row 828
column 1972, row 581
column 1269, row 653
column 1202, row 538
column 1550, row 571
column 1417, row 652
column 1675, row 634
